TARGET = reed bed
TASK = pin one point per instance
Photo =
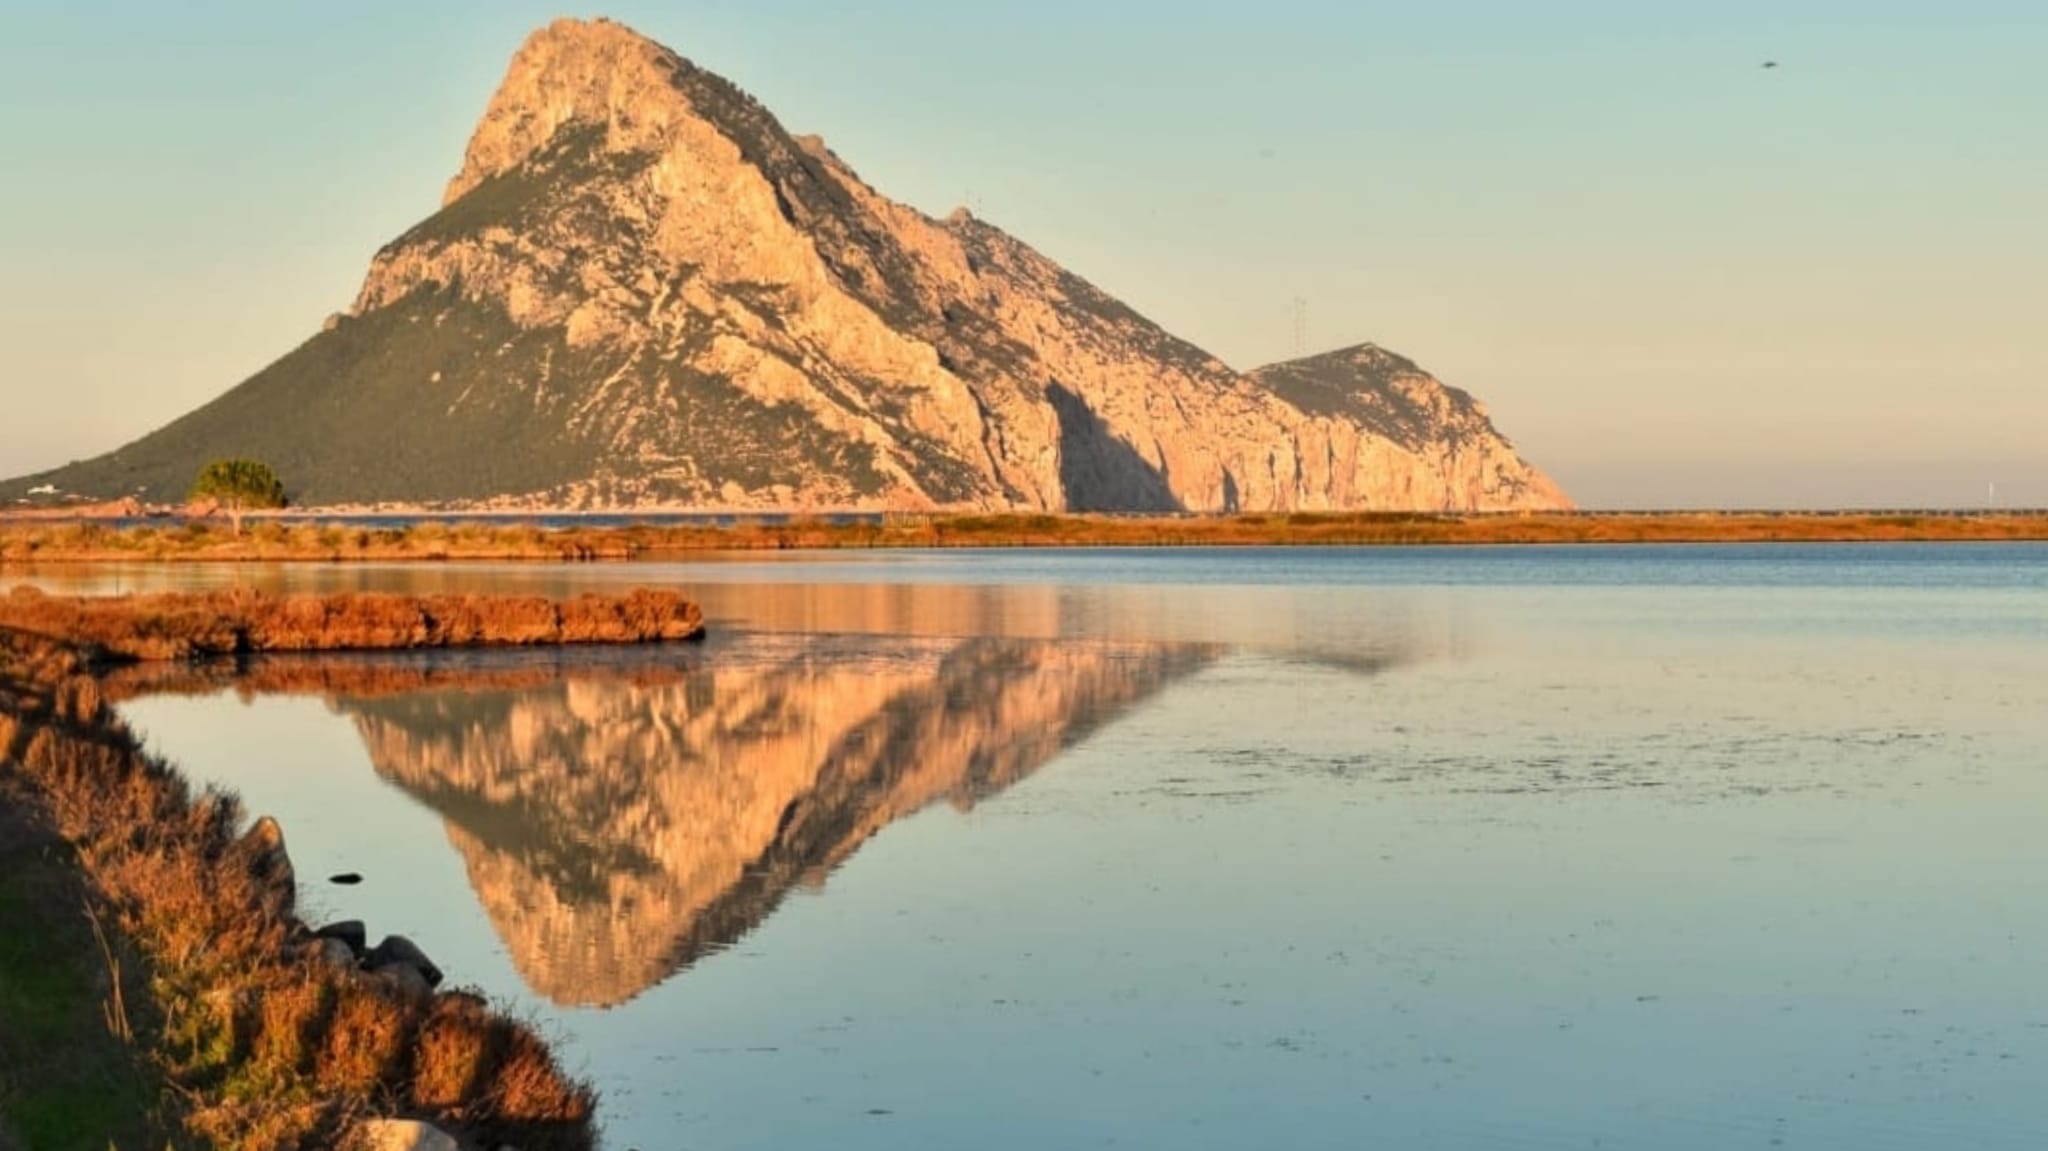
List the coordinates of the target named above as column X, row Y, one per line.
column 189, row 625
column 35, row 541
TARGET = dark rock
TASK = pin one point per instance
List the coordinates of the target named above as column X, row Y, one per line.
column 406, row 978
column 398, row 950
column 269, row 862
column 336, row 953
column 349, row 931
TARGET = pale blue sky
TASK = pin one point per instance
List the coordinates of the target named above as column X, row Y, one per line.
column 1675, row 277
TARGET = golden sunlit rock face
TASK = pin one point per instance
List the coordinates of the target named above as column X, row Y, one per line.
column 617, row 830
column 642, row 292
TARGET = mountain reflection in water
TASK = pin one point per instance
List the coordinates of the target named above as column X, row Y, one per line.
column 618, row 820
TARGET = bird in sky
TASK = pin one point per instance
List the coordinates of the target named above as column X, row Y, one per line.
column 1770, row 64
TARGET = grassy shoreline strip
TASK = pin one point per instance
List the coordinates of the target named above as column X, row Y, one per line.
column 259, row 1038
column 493, row 540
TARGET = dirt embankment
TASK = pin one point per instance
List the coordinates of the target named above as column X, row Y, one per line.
column 264, row 1034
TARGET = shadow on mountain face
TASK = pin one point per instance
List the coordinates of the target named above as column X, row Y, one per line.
column 1099, row 470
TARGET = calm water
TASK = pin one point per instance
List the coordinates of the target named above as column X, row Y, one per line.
column 1661, row 847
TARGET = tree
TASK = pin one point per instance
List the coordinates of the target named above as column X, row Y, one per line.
column 239, row 485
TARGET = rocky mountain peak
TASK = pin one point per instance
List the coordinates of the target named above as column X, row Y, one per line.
column 588, row 71
column 1366, row 355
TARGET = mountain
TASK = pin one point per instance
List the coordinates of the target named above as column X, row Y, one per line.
column 642, row 292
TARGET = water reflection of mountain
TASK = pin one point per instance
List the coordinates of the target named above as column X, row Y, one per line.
column 621, row 813
column 615, row 830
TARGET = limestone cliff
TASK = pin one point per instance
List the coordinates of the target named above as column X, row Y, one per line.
column 1411, row 416
column 641, row 291
column 615, row 831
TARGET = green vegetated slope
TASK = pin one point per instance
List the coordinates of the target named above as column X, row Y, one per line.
column 67, row 1081
column 401, row 403
column 440, row 397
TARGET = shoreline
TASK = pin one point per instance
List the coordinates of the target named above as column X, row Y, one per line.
column 303, row 538
column 261, row 1030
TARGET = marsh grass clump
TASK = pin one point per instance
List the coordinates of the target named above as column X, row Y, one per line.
column 290, row 1023
column 453, row 1056
column 364, row 1050
column 527, row 1087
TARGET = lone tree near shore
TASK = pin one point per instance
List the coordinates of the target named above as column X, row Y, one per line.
column 239, row 485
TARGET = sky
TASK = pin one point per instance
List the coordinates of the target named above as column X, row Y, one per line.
column 1676, row 278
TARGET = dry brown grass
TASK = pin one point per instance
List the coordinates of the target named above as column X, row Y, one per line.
column 179, row 625
column 454, row 1052
column 22, row 540
column 527, row 1087
column 364, row 1051
column 35, row 541
column 290, row 1022
column 270, row 1046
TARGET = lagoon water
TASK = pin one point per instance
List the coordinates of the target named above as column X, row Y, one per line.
column 1687, row 847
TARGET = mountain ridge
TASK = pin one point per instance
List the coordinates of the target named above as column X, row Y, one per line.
column 641, row 291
